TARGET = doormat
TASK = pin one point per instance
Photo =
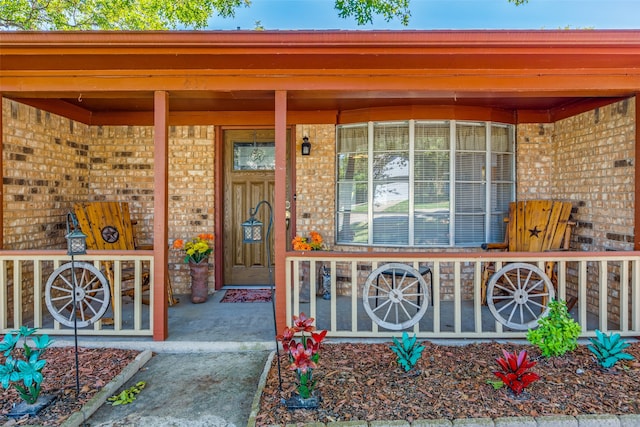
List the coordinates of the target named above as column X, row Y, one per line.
column 247, row 295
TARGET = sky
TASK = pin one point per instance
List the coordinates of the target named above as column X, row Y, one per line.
column 441, row 15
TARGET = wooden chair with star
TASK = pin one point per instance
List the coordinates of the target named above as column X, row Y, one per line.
column 532, row 226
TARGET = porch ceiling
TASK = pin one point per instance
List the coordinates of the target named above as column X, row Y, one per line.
column 99, row 77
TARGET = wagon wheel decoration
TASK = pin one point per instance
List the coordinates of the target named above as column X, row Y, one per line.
column 518, row 295
column 110, row 234
column 91, row 293
column 395, row 296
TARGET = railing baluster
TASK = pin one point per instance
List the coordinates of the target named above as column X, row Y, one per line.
column 624, row 295
column 354, row 294
column 635, row 292
column 37, row 294
column 582, row 292
column 562, row 280
column 436, row 297
column 603, row 294
column 457, row 298
column 4, row 303
column 17, row 293
column 477, row 297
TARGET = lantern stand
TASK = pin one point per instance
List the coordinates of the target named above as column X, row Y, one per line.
column 252, row 233
column 76, row 245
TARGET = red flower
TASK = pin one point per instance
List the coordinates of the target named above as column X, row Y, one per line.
column 301, row 358
column 302, row 323
column 319, row 336
column 287, row 338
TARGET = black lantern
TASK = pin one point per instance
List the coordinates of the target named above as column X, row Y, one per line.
column 252, row 229
column 76, row 239
column 306, row 146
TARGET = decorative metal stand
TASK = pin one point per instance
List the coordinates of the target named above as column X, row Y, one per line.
column 77, row 294
column 252, row 233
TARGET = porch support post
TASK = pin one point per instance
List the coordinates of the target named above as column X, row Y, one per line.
column 280, row 198
column 160, row 214
column 1, row 184
column 636, row 165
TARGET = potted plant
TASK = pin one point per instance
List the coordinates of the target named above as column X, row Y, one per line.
column 197, row 251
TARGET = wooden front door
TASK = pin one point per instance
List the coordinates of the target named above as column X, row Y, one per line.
column 249, row 167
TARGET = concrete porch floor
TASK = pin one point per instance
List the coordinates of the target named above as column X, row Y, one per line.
column 251, row 325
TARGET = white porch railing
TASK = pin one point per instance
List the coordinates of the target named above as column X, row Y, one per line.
column 23, row 276
column 606, row 285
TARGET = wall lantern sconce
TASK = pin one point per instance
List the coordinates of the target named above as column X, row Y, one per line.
column 306, row 146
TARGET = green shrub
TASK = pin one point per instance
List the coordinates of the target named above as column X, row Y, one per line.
column 557, row 333
column 408, row 351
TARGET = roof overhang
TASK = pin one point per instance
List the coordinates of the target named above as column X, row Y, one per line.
column 518, row 76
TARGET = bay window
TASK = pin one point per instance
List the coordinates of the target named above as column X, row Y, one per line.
column 423, row 183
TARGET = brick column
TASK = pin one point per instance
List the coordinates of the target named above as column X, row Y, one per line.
column 1, row 184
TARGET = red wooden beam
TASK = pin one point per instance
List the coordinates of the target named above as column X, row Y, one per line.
column 160, row 215
column 279, row 206
column 636, row 219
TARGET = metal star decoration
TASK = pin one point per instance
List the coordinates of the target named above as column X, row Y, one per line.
column 534, row 231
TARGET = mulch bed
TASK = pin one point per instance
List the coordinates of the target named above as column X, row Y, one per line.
column 364, row 382
column 247, row 295
column 97, row 367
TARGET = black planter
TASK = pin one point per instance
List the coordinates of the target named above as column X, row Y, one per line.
column 297, row 402
column 23, row 408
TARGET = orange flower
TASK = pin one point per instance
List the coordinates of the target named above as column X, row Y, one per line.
column 313, row 243
column 178, row 244
column 316, row 237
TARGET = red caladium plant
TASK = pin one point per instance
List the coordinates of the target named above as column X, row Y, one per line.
column 303, row 355
column 515, row 374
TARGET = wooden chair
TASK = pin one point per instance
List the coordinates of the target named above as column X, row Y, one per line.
column 108, row 226
column 532, row 226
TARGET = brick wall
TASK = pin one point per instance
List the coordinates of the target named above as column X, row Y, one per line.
column 45, row 164
column 122, row 169
column 46, row 159
column 191, row 195
column 589, row 160
column 51, row 162
column 534, row 161
column 315, row 182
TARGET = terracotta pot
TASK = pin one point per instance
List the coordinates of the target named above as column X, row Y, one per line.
column 199, row 286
